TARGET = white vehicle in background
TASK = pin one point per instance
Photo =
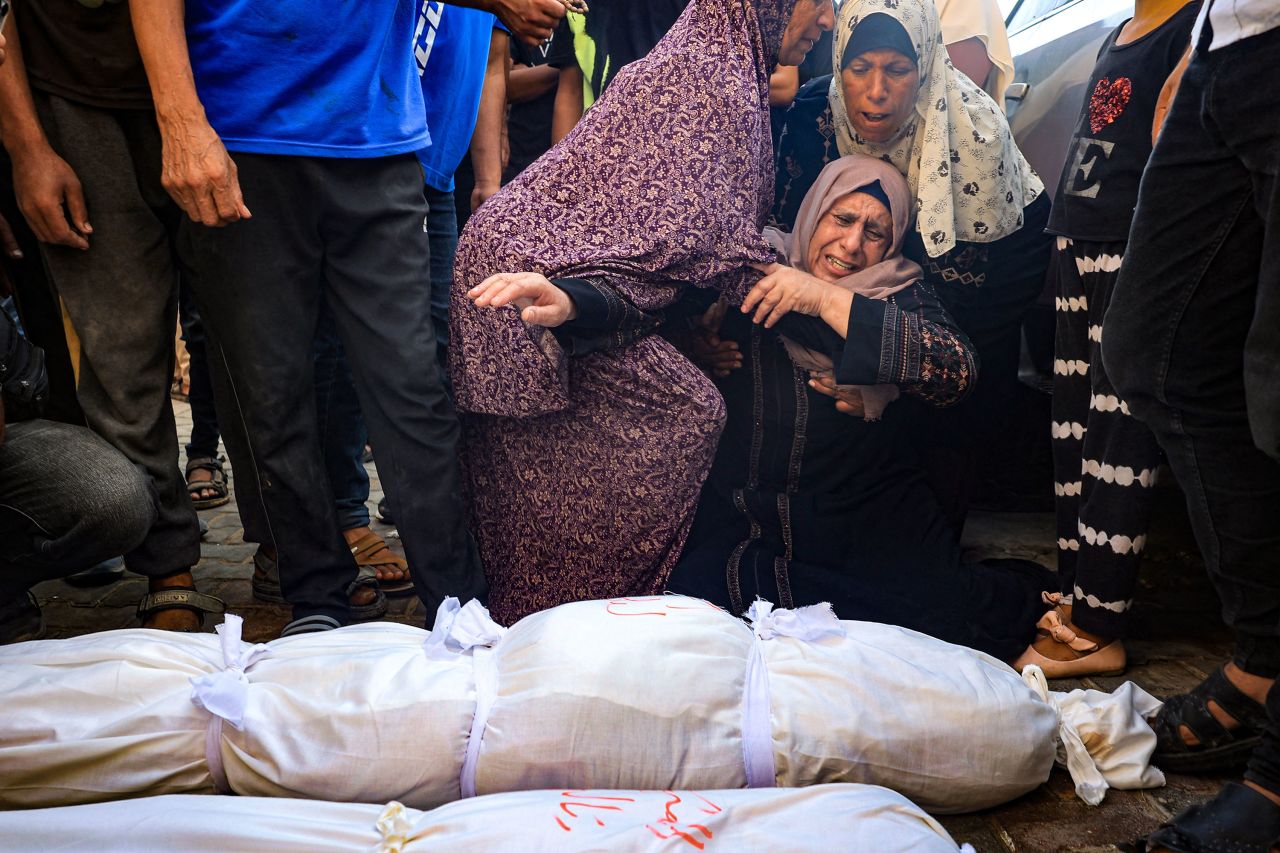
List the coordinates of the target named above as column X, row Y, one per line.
column 1055, row 45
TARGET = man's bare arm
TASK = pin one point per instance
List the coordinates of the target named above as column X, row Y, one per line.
column 196, row 170
column 526, row 83
column 48, row 192
column 971, row 58
column 568, row 107
column 530, row 21
column 486, row 142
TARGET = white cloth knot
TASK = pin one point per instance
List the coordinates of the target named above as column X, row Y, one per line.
column 803, row 623
column 1113, row 725
column 225, row 693
column 460, row 629
column 395, row 827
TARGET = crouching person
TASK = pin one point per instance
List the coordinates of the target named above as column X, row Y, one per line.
column 67, row 498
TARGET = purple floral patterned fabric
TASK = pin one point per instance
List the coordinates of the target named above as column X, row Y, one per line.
column 584, row 473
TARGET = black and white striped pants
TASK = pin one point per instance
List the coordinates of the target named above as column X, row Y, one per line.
column 1104, row 460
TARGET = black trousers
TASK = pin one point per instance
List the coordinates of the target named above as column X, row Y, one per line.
column 350, row 231
column 1191, row 339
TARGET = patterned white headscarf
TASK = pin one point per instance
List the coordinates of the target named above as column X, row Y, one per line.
column 968, row 177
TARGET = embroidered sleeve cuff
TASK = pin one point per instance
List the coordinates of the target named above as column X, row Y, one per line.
column 862, row 361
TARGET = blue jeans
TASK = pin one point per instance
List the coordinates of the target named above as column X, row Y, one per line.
column 442, row 229
column 204, row 416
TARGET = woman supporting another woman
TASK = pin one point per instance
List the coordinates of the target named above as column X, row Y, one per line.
column 584, row 454
column 805, row 503
column 980, row 209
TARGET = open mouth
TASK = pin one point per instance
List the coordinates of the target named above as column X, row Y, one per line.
column 839, row 264
column 875, row 118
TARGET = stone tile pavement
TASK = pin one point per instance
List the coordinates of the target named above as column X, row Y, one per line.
column 1178, row 639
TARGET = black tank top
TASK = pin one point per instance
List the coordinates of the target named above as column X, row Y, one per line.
column 1112, row 140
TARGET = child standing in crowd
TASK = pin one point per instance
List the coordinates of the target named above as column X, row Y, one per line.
column 1104, row 460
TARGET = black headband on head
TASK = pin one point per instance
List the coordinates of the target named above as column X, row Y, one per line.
column 878, row 31
column 877, row 192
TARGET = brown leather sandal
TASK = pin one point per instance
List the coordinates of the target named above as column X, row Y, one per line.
column 372, row 552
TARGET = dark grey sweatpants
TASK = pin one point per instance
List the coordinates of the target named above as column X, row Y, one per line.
column 121, row 297
column 67, row 500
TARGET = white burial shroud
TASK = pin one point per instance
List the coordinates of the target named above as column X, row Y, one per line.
column 818, row 819
column 659, row 693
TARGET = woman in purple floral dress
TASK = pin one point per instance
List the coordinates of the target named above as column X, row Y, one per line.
column 583, row 472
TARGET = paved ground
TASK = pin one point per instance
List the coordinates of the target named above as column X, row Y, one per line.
column 1179, row 638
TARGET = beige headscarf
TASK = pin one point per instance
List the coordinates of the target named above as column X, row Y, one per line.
column 880, row 281
column 969, row 180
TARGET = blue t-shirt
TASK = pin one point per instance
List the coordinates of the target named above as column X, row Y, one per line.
column 309, row 79
column 451, row 48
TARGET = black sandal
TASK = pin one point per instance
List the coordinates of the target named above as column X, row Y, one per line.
column 217, row 483
column 180, row 598
column 1238, row 819
column 1221, row 750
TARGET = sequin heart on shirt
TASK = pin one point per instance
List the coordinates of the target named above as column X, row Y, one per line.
column 1108, row 101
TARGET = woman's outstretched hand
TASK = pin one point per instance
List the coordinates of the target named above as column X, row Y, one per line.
column 781, row 291
column 539, row 302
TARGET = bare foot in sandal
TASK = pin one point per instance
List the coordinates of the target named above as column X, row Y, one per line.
column 1253, row 686
column 196, row 477
column 207, row 483
column 1213, row 727
column 173, row 618
column 371, row 550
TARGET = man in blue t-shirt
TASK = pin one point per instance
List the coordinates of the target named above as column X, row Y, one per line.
column 323, row 110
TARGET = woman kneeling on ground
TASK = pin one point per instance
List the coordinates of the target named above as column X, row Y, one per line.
column 806, row 503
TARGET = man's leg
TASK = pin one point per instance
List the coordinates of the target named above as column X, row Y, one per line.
column 67, row 500
column 382, row 305
column 203, row 446
column 121, row 298
column 257, row 283
column 1174, row 346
